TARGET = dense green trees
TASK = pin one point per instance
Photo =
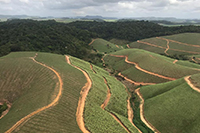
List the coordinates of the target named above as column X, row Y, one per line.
column 73, row 38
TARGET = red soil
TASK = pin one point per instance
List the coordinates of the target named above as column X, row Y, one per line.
column 81, row 103
column 148, row 124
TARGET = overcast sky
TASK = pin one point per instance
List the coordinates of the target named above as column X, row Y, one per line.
column 107, row 8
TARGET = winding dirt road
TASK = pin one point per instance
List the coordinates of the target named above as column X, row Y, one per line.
column 198, row 46
column 81, row 103
column 130, row 110
column 175, row 61
column 135, row 83
column 148, row 124
column 153, row 45
column 55, row 101
column 92, row 41
column 187, row 79
column 167, row 44
column 141, row 69
column 108, row 95
column 117, row 46
column 128, row 46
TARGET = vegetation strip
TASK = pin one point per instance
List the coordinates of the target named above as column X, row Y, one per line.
column 55, row 101
column 81, row 104
column 107, row 100
column 148, row 124
column 136, row 83
column 141, row 69
column 187, row 79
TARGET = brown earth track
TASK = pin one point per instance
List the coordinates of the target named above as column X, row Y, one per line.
column 153, row 45
column 108, row 95
column 167, row 44
column 91, row 66
column 135, row 83
column 198, row 46
column 106, row 102
column 142, row 117
column 117, row 46
column 175, row 61
column 187, row 79
column 128, row 46
column 81, row 103
column 92, row 41
column 55, row 101
column 7, row 110
column 194, row 60
column 103, row 60
column 130, row 110
column 141, row 69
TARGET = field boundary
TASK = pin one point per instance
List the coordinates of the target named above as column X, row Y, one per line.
column 134, row 82
column 55, row 101
column 83, row 94
column 141, row 69
column 142, row 117
column 187, row 79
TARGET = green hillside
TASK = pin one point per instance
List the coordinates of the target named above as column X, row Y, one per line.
column 173, row 106
column 103, row 46
column 179, row 44
column 97, row 119
column 150, row 62
column 39, row 90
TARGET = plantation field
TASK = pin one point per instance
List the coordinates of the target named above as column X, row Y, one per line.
column 151, row 62
column 172, row 106
column 103, row 46
column 62, row 116
column 99, row 120
column 179, row 44
column 25, row 84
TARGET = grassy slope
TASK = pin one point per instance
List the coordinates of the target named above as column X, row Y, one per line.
column 25, row 84
column 168, row 106
column 191, row 38
column 158, row 64
column 62, row 117
column 97, row 119
column 101, row 46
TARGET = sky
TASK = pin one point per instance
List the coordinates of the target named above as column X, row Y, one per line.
column 107, row 8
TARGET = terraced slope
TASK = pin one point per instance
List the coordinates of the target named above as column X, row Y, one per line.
column 179, row 44
column 103, row 46
column 60, row 117
column 112, row 117
column 173, row 106
column 147, row 67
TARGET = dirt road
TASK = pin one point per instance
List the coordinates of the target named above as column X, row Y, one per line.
column 135, row 83
column 92, row 41
column 141, row 69
column 153, row 45
column 83, row 94
column 108, row 95
column 55, row 101
column 187, row 79
column 128, row 46
column 130, row 110
column 175, row 61
column 148, row 124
